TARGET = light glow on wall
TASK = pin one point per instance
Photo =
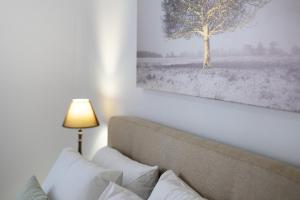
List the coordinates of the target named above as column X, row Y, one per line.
column 108, row 22
column 110, row 38
column 109, row 27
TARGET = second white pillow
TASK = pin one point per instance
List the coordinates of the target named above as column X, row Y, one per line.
column 137, row 177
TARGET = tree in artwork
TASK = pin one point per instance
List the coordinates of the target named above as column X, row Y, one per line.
column 205, row 18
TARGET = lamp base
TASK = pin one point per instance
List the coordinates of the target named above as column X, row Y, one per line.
column 79, row 141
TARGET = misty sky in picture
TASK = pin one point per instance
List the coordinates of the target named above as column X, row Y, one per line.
column 278, row 21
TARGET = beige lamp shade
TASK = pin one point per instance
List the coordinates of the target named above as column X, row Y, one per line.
column 81, row 115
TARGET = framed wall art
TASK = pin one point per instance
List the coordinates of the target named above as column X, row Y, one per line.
column 245, row 51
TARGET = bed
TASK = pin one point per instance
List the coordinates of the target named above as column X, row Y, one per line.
column 216, row 171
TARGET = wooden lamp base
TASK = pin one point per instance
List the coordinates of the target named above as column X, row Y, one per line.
column 79, row 141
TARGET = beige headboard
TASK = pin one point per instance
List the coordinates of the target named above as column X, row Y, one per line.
column 216, row 171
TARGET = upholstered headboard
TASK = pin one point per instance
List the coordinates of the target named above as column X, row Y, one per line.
column 216, row 171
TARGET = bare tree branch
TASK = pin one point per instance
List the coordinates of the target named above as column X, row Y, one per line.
column 185, row 18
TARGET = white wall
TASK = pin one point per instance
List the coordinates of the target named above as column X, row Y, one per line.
column 42, row 44
column 110, row 39
column 39, row 69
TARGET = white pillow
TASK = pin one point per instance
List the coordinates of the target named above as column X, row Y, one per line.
column 66, row 158
column 170, row 187
column 79, row 179
column 137, row 177
column 116, row 192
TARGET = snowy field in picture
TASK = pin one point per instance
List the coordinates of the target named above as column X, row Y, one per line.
column 268, row 82
column 246, row 55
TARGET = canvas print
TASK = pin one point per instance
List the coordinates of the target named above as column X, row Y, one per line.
column 245, row 51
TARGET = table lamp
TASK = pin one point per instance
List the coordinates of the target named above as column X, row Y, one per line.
column 79, row 116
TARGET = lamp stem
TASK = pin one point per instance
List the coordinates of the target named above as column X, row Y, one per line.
column 79, row 140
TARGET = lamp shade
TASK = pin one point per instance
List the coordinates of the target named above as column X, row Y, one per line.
column 80, row 115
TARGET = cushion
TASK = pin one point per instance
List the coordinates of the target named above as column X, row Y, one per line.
column 66, row 158
column 137, row 177
column 171, row 187
column 77, row 179
column 32, row 191
column 116, row 192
